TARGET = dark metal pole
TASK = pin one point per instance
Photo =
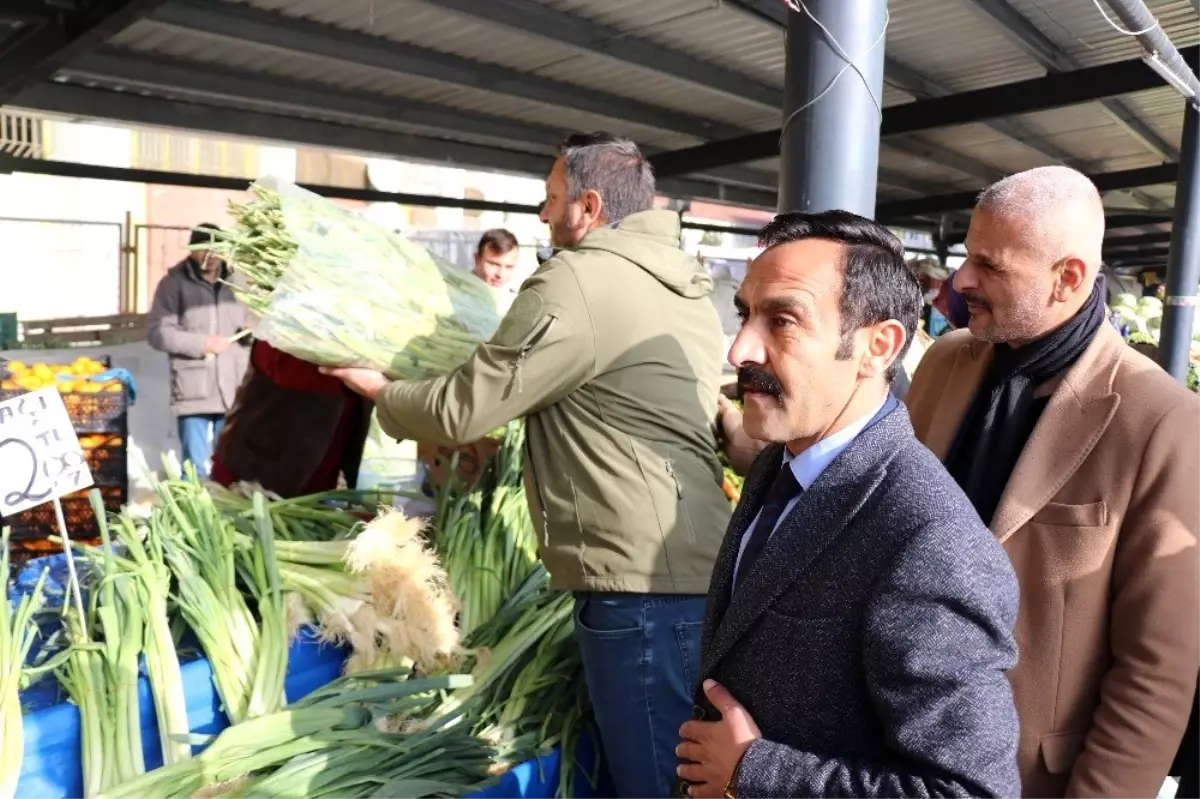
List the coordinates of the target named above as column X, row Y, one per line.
column 1183, row 269
column 940, row 245
column 830, row 148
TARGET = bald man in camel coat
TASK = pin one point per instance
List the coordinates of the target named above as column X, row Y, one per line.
column 1081, row 455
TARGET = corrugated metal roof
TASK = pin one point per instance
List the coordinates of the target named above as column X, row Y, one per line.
column 712, row 30
column 151, row 37
column 426, row 25
column 953, row 44
column 1081, row 30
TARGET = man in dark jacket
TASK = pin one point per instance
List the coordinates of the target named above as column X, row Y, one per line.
column 612, row 354
column 193, row 319
column 860, row 616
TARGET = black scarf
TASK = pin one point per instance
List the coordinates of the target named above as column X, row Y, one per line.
column 995, row 429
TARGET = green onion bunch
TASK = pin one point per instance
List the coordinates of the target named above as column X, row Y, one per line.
column 18, row 631
column 333, row 288
column 343, row 740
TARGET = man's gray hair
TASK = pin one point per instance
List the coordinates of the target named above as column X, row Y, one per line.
column 1059, row 207
column 614, row 168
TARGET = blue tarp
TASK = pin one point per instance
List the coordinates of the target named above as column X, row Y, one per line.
column 52, row 768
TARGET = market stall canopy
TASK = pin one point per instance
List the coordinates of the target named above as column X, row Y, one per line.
column 975, row 89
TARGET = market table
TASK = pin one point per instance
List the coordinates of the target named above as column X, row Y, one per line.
column 52, row 767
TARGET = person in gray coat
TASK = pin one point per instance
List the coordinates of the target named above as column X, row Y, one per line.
column 193, row 319
column 860, row 618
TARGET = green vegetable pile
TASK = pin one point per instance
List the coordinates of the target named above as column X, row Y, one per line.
column 1143, row 317
column 17, row 633
column 335, row 289
column 462, row 660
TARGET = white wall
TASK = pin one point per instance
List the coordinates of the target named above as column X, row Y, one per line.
column 67, row 269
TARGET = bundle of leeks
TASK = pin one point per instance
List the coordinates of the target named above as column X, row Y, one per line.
column 484, row 536
column 333, row 288
column 18, row 631
column 364, row 735
column 528, row 687
column 100, row 671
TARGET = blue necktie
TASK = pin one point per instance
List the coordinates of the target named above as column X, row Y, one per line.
column 783, row 490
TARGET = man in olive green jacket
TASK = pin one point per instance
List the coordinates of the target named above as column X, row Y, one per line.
column 612, row 352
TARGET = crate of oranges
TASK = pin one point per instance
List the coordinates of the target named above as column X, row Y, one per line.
column 94, row 405
column 98, row 409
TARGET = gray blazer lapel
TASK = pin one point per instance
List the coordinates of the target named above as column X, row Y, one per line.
column 816, row 521
column 754, row 494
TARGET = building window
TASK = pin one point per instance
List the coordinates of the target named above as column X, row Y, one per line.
column 20, row 135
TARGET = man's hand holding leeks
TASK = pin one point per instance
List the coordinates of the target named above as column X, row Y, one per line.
column 365, row 382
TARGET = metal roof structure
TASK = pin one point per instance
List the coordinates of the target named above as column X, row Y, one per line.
column 975, row 89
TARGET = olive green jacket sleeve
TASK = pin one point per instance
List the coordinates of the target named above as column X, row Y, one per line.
column 543, row 350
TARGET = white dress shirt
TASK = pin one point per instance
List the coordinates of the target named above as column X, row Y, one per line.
column 807, row 467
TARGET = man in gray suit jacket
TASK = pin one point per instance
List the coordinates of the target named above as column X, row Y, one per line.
column 860, row 617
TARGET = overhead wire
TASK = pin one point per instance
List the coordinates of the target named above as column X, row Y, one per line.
column 1117, row 27
column 799, row 7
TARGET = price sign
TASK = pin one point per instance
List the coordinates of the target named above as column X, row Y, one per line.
column 40, row 456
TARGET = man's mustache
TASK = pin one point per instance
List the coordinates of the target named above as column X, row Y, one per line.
column 976, row 299
column 756, row 378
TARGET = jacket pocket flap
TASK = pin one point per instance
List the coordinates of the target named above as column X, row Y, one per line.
column 1093, row 514
column 1059, row 752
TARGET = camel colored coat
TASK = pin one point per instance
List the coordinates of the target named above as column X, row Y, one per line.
column 1100, row 518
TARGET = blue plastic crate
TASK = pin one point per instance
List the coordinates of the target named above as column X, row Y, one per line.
column 52, row 767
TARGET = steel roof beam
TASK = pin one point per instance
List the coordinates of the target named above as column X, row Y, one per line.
column 1123, row 220
column 1025, row 35
column 27, row 11
column 918, row 148
column 1050, row 55
column 1132, row 257
column 130, row 70
column 1125, row 242
column 899, row 180
column 1051, row 91
column 1106, row 181
column 198, row 81
column 901, row 76
column 256, row 26
column 923, row 87
column 588, row 36
column 1137, row 257
column 72, row 169
column 81, row 102
column 35, row 54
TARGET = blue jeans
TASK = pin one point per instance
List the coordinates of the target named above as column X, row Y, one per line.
column 641, row 658
column 197, row 435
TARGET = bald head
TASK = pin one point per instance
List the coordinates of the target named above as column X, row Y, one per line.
column 1057, row 210
column 1033, row 253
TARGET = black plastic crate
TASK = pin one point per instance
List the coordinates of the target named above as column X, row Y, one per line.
column 38, row 523
column 107, row 457
column 100, row 412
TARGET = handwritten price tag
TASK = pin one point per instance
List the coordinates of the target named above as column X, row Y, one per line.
column 40, row 456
